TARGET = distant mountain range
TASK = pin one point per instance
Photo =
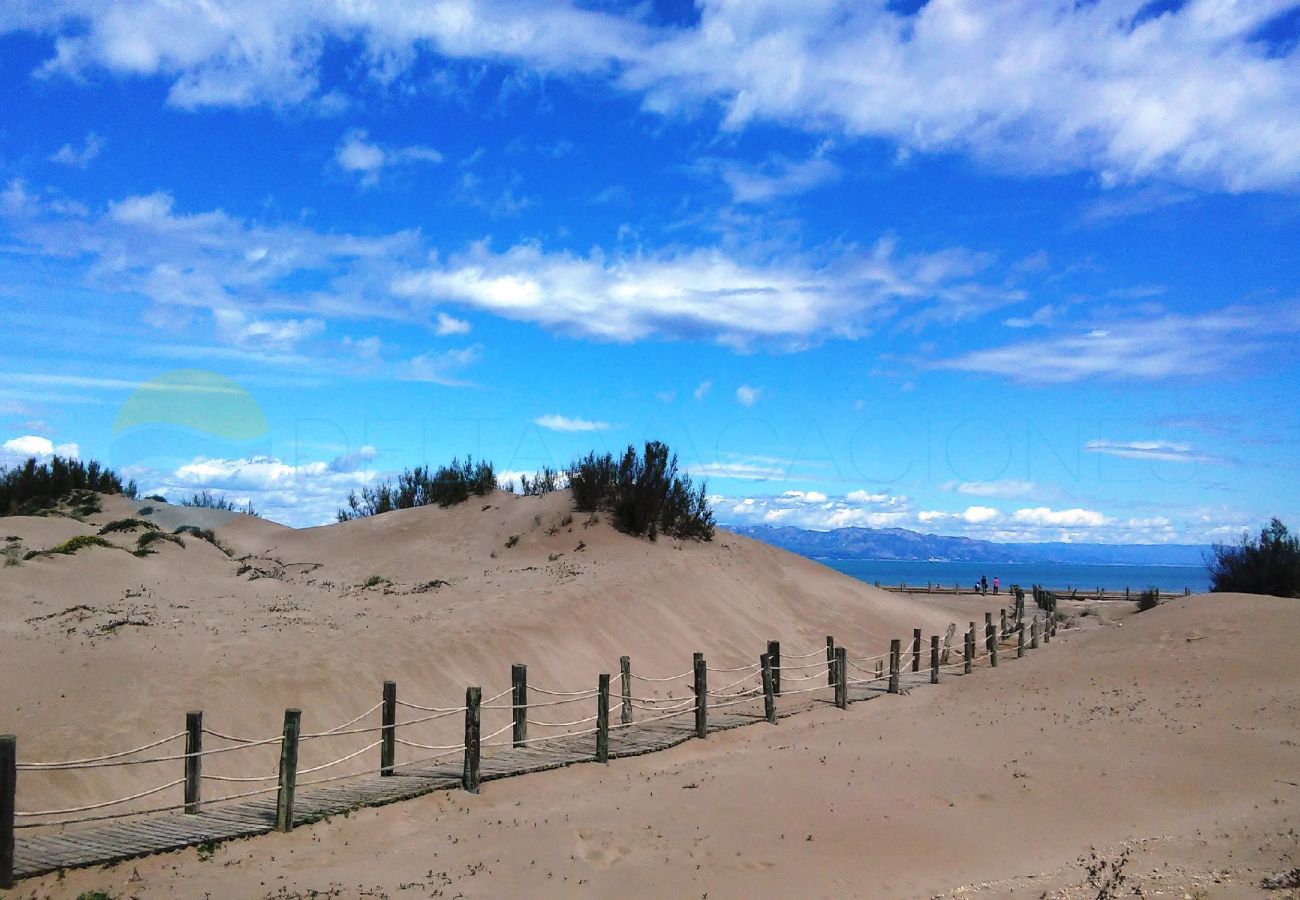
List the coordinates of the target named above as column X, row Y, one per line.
column 900, row 543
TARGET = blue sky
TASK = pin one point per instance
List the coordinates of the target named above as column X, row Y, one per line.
column 1019, row 271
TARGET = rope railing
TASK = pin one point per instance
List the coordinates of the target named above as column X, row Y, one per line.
column 432, row 709
column 800, row 678
column 93, row 806
column 92, row 762
column 562, row 724
column 251, row 742
column 689, row 674
column 339, row 729
column 747, row 668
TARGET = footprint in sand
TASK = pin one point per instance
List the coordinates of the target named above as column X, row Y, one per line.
column 601, row 849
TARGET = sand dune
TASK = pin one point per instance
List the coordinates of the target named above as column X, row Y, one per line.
column 1161, row 747
column 104, row 650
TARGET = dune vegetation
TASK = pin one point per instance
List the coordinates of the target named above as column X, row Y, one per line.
column 1267, row 565
column 34, row 488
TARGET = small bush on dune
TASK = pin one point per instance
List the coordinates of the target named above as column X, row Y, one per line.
column 592, row 479
column 204, row 534
column 544, row 482
column 447, row 486
column 1149, row 599
column 143, row 542
column 644, row 492
column 1269, row 565
column 205, row 499
column 31, row 487
column 71, row 546
column 127, row 525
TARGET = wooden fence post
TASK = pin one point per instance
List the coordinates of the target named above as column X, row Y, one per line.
column 8, row 789
column 288, row 770
column 916, row 649
column 830, row 661
column 602, row 720
column 388, row 733
column 519, row 700
column 841, row 678
column 968, row 644
column 701, row 696
column 1020, row 640
column 774, row 659
column 469, row 779
column 193, row 759
column 769, row 692
column 1005, row 630
column 895, row 660
column 1048, row 628
column 625, row 679
column 1033, row 644
column 934, row 659
column 991, row 639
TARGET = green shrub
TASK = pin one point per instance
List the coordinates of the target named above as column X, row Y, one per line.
column 376, row 581
column 30, row 487
column 544, row 482
column 143, row 542
column 447, row 486
column 1149, row 599
column 71, row 546
column 591, row 480
column 1270, row 565
column 127, row 525
column 644, row 493
column 205, row 534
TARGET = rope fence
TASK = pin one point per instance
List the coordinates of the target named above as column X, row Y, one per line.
column 631, row 711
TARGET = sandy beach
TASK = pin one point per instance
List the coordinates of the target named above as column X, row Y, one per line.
column 1152, row 751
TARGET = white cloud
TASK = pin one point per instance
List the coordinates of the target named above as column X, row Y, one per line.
column 1042, row 316
column 359, row 155
column 1153, row 451
column 747, row 395
column 707, row 292
column 1163, row 346
column 447, row 325
column 972, row 515
column 302, row 495
column 978, row 515
column 565, row 423
column 231, row 268
column 279, row 334
column 1192, row 94
column 67, row 155
column 702, row 391
column 778, row 177
column 742, row 468
column 441, row 368
column 813, row 510
column 18, row 450
column 1073, row 518
column 1006, row 487
column 213, row 261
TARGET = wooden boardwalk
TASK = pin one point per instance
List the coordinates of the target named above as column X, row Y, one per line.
column 37, row 852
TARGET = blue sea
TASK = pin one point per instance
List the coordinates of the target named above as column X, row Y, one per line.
column 1053, row 576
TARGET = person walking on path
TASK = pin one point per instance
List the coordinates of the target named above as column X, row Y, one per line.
column 995, row 585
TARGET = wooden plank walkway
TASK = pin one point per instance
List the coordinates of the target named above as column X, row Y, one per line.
column 37, row 852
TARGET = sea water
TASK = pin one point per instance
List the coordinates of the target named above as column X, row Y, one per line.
column 1053, row 576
